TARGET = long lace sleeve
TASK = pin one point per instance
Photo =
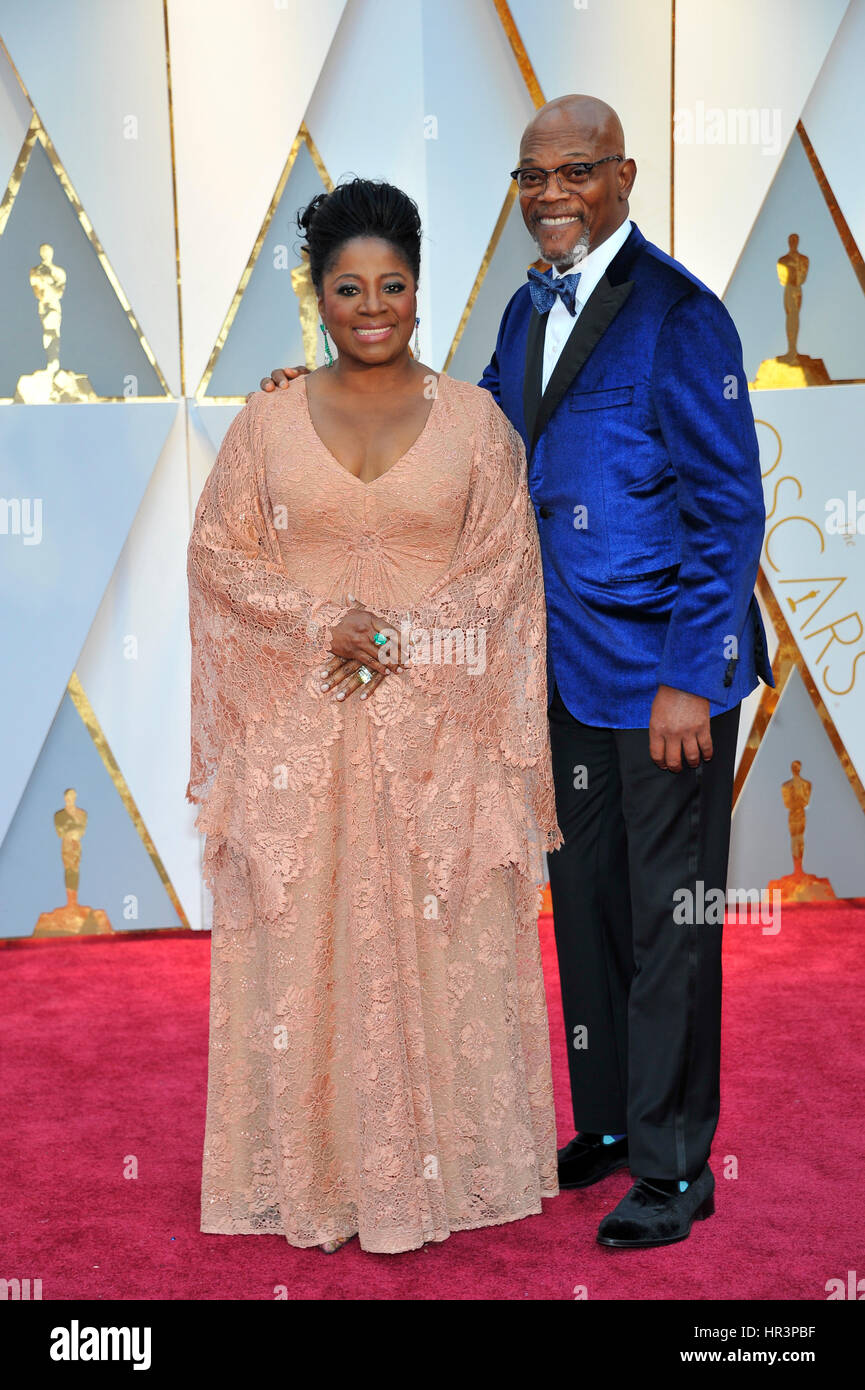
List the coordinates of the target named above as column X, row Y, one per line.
column 255, row 634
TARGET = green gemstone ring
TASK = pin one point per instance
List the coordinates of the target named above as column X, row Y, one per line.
column 379, row 639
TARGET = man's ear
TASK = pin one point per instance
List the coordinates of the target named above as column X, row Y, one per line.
column 627, row 178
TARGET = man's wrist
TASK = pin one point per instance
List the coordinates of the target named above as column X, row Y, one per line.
column 680, row 690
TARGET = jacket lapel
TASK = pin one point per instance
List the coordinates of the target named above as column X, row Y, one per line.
column 533, row 372
column 602, row 306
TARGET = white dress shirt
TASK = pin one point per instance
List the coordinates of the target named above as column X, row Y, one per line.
column 559, row 321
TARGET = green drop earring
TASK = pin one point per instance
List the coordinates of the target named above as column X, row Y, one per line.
column 328, row 355
column 416, row 347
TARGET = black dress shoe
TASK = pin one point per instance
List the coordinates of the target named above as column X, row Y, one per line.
column 649, row 1216
column 587, row 1159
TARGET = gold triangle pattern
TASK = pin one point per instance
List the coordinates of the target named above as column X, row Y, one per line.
column 524, row 62
column 303, row 137
column 493, row 242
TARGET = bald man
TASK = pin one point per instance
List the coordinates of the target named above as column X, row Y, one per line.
column 623, row 374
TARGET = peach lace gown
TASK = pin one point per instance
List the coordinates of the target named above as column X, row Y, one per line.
column 379, row 1055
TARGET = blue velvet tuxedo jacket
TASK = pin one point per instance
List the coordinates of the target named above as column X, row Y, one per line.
column 645, row 477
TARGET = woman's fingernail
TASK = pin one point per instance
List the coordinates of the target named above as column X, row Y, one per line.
column 325, row 687
column 340, row 696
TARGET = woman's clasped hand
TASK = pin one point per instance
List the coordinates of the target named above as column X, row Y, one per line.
column 359, row 663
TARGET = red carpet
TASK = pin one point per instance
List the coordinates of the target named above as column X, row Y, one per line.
column 104, row 1045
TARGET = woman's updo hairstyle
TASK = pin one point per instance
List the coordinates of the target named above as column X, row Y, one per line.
column 359, row 207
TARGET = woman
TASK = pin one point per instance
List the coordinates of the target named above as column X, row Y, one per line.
column 369, row 750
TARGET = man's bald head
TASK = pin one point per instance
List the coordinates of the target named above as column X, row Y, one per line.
column 566, row 224
column 588, row 118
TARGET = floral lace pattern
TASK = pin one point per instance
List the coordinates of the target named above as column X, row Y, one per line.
column 379, row 1056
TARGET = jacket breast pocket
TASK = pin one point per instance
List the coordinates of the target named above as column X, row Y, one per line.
column 601, row 400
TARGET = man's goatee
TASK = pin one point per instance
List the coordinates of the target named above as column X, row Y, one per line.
column 570, row 258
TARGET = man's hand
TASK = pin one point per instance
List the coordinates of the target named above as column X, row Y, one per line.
column 281, row 376
column 679, row 725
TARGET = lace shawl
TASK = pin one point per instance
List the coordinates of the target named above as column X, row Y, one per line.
column 263, row 731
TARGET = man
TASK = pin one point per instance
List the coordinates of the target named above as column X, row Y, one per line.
column 624, row 376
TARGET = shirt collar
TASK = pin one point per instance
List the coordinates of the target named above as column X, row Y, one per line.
column 592, row 267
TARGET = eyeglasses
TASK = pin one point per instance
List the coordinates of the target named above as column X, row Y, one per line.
column 568, row 176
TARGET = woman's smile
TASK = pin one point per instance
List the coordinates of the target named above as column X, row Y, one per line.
column 376, row 334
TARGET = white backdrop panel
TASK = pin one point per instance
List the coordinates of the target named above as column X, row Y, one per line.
column 140, row 692
column 750, row 55
column 85, row 469
column 514, row 252
column 242, row 77
column 372, row 128
column 621, row 53
column 751, row 703
column 834, row 118
column 15, row 114
column 474, row 92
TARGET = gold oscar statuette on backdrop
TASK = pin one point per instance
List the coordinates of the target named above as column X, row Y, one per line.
column 73, row 919
column 793, row 368
column 799, row 887
column 53, row 382
column 307, row 300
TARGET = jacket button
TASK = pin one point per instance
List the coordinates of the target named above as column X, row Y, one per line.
column 545, row 511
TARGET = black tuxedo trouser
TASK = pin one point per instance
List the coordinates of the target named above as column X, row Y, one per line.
column 641, row 993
